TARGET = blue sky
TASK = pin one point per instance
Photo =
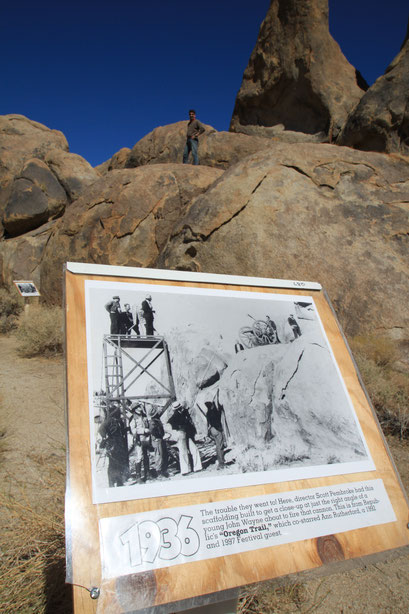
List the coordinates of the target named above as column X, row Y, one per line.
column 107, row 73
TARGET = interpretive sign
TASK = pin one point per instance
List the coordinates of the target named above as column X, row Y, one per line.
column 213, row 421
column 26, row 288
column 258, row 382
column 142, row 542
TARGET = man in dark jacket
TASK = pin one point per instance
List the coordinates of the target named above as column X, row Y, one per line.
column 114, row 442
column 182, row 423
column 114, row 309
column 127, row 324
column 215, row 429
column 160, row 451
column 148, row 316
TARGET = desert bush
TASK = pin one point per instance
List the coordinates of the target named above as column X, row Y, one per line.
column 3, row 442
column 381, row 350
column 11, row 305
column 41, row 333
column 32, row 561
column 268, row 598
column 387, row 388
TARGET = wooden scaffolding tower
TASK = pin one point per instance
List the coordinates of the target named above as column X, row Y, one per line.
column 142, row 353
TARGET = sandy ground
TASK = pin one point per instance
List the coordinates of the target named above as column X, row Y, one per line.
column 32, row 414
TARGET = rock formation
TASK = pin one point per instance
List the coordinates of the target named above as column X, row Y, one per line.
column 36, row 196
column 163, row 144
column 269, row 395
column 274, row 415
column 274, row 214
column 318, row 212
column 297, row 76
column 72, row 171
column 166, row 143
column 22, row 257
column 118, row 160
column 38, row 177
column 380, row 122
column 124, row 218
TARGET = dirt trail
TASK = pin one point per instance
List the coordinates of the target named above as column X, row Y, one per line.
column 32, row 413
column 31, row 402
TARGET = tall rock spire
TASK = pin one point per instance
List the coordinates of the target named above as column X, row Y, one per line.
column 297, row 76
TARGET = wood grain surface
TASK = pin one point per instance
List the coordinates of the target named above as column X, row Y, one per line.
column 188, row 580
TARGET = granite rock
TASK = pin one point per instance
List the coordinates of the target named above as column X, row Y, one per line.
column 217, row 149
column 297, row 75
column 124, row 218
column 380, row 122
column 309, row 212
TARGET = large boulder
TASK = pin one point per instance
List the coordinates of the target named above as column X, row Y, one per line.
column 22, row 257
column 297, row 76
column 72, row 171
column 380, row 122
column 124, row 218
column 274, row 414
column 36, row 196
column 163, row 145
column 118, row 160
column 38, row 177
column 21, row 140
column 166, row 144
column 309, row 212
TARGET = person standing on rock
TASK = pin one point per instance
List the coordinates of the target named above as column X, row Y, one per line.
column 194, row 130
column 272, row 330
column 294, row 326
column 114, row 309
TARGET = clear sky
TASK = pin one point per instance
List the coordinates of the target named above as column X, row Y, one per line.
column 107, row 73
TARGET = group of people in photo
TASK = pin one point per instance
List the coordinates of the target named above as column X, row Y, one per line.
column 140, row 441
column 139, row 445
column 124, row 320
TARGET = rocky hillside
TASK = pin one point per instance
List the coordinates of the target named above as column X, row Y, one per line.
column 283, row 194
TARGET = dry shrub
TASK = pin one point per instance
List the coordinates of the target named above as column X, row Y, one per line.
column 3, row 442
column 41, row 332
column 380, row 350
column 32, row 562
column 11, row 305
column 268, row 598
column 387, row 388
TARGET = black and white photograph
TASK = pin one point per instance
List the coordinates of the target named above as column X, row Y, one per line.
column 26, row 288
column 194, row 389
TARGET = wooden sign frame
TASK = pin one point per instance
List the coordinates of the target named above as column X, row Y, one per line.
column 89, row 523
column 26, row 288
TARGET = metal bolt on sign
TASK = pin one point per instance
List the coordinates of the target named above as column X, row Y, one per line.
column 94, row 592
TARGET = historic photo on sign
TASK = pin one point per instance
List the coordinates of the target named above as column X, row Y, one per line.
column 194, row 389
column 26, row 288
